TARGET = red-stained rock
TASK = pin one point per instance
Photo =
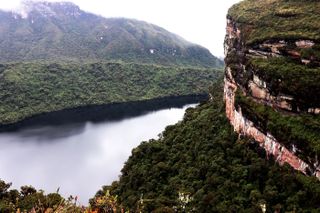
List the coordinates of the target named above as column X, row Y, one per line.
column 314, row 111
column 246, row 127
column 274, row 47
column 304, row 44
column 232, row 30
column 258, row 90
column 294, row 54
column 229, row 92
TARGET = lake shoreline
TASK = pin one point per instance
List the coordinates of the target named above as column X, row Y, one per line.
column 85, row 154
column 100, row 113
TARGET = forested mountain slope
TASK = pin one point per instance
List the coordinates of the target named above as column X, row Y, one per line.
column 54, row 56
column 28, row 89
column 61, row 31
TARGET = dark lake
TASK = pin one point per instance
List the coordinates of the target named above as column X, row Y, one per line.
column 78, row 157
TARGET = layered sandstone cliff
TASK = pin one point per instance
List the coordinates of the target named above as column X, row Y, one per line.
column 272, row 78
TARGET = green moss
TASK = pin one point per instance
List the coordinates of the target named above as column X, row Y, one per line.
column 299, row 130
column 288, row 77
column 27, row 89
column 311, row 53
column 277, row 19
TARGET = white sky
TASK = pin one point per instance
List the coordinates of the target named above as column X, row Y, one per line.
column 199, row 21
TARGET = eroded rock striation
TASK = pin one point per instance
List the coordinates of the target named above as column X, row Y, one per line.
column 272, row 79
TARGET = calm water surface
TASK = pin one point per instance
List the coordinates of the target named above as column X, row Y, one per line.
column 77, row 158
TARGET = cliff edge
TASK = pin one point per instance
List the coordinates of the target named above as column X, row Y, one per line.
column 272, row 78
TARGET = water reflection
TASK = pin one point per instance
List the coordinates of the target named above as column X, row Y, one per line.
column 51, row 133
column 78, row 158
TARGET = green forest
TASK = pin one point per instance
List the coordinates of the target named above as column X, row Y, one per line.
column 301, row 130
column 28, row 89
column 201, row 165
column 197, row 165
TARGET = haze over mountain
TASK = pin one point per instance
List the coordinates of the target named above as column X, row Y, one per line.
column 58, row 31
column 54, row 56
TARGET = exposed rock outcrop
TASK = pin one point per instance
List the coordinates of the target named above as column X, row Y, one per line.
column 276, row 77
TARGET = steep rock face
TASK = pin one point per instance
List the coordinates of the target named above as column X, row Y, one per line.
column 272, row 80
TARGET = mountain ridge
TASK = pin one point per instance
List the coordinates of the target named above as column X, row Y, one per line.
column 62, row 31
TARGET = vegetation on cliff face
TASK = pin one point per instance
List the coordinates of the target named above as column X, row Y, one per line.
column 27, row 89
column 301, row 131
column 200, row 165
column 197, row 165
column 285, row 76
column 277, row 19
column 273, row 58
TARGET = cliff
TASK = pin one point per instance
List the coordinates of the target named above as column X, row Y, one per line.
column 202, row 159
column 272, row 78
